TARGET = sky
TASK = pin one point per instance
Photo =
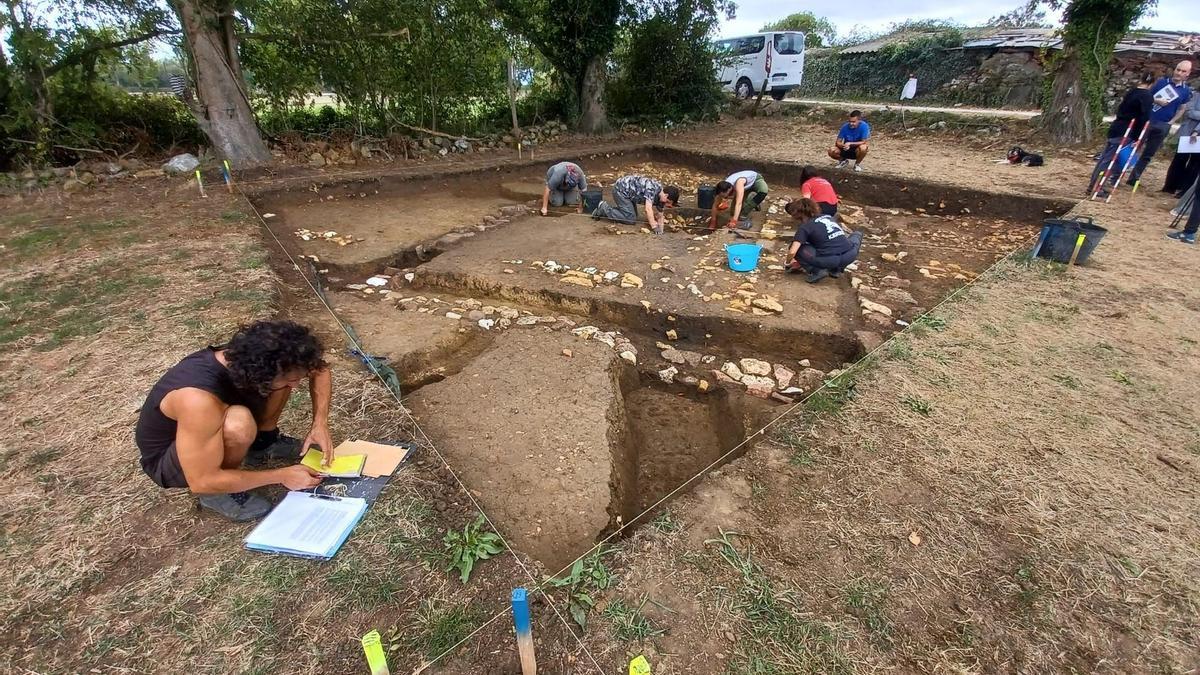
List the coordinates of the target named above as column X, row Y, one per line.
column 877, row 15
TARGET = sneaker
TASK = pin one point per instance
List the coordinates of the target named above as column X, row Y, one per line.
column 858, row 167
column 793, row 267
column 1175, row 212
column 843, row 164
column 237, row 506
column 283, row 448
column 1183, row 237
column 817, row 275
column 833, row 274
column 744, row 224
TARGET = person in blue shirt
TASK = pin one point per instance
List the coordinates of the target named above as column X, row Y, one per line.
column 851, row 142
column 1170, row 97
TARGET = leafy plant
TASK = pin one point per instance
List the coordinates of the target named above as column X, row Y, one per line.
column 917, row 405
column 464, row 549
column 587, row 576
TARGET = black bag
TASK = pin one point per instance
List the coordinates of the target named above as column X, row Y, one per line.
column 1019, row 156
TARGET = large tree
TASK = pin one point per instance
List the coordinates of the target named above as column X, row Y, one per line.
column 818, row 31
column 1073, row 107
column 222, row 103
column 576, row 37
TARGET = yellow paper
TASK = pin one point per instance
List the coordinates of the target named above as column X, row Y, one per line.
column 639, row 666
column 382, row 460
column 344, row 466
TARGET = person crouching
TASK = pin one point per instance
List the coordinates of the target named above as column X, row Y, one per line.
column 822, row 247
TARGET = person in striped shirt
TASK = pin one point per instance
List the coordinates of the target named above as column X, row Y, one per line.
column 631, row 190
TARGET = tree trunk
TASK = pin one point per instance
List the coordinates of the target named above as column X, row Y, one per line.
column 512, row 97
column 592, row 117
column 222, row 107
column 1065, row 113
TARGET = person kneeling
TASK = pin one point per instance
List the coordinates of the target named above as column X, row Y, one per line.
column 220, row 407
column 629, row 191
column 821, row 247
column 747, row 189
column 565, row 183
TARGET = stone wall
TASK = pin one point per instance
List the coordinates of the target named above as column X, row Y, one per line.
column 1013, row 79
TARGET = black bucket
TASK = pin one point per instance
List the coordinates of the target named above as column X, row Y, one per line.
column 705, row 196
column 1058, row 241
column 591, row 199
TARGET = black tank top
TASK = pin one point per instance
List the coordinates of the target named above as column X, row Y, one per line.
column 156, row 432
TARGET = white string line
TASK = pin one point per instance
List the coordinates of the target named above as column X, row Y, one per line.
column 792, row 408
column 529, row 574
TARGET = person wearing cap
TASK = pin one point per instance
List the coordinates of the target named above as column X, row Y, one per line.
column 565, row 183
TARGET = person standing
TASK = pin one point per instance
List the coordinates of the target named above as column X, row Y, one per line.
column 748, row 189
column 816, row 187
column 821, row 246
column 1134, row 110
column 1188, row 234
column 565, row 183
column 1170, row 95
column 1184, row 168
column 851, row 143
column 629, row 191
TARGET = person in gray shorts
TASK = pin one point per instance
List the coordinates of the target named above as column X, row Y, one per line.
column 565, row 182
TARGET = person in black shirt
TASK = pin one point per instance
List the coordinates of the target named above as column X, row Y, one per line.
column 821, row 246
column 1134, row 109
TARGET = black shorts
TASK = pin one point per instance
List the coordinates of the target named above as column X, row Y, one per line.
column 165, row 470
column 850, row 153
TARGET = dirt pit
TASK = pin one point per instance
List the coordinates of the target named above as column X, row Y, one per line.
column 575, row 372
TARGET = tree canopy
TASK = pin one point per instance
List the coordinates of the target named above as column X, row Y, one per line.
column 818, row 31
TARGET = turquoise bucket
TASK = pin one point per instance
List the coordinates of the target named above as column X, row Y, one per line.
column 743, row 257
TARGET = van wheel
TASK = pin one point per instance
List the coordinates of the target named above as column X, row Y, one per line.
column 778, row 95
column 744, row 89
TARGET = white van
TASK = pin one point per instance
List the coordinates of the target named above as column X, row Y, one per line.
column 747, row 61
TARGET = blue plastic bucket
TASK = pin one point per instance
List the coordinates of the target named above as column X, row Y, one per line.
column 1125, row 157
column 743, row 257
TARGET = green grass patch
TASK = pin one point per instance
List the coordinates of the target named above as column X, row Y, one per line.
column 1067, row 381
column 628, row 622
column 1121, row 377
column 917, row 405
column 38, row 240
column 774, row 638
column 866, row 600
column 438, row 630
column 900, row 349
column 57, row 309
column 666, row 522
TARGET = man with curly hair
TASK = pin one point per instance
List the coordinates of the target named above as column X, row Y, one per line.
column 219, row 408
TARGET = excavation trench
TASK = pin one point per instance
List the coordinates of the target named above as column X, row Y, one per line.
column 562, row 441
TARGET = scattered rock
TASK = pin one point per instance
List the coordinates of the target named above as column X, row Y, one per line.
column 776, row 396
column 693, row 359
column 731, row 371
column 475, row 315
column 722, row 377
column 755, row 367
column 509, row 313
column 805, row 363
column 453, row 315
column 668, row 374
column 316, row 159
column 672, row 335
column 869, row 340
column 578, row 281
column 707, row 358
column 809, row 379
column 783, row 375
column 180, row 164
column 702, row 386
column 568, row 353
column 630, row 280
column 629, row 356
column 895, row 282
column 674, row 356
column 767, row 304
column 898, row 296
column 527, row 321
column 762, row 387
column 486, row 324
column 409, row 277
column 879, row 320
column 874, row 307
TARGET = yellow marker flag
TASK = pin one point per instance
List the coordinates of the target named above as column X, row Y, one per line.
column 375, row 657
column 639, row 666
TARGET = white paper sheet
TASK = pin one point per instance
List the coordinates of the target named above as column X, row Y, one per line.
column 302, row 524
column 1188, row 145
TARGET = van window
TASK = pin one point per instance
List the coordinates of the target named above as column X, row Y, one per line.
column 747, row 45
column 788, row 43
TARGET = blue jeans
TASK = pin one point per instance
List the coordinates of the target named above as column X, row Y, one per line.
column 1106, row 156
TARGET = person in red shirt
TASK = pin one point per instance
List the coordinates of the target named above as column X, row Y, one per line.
column 816, row 187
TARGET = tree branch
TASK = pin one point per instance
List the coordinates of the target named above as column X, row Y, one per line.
column 282, row 37
column 77, row 57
